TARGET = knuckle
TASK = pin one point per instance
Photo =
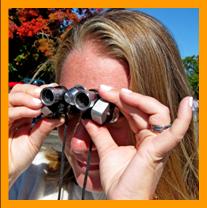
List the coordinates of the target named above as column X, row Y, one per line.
column 166, row 110
column 16, row 87
column 10, row 98
column 28, row 88
column 10, row 115
column 177, row 137
column 152, row 99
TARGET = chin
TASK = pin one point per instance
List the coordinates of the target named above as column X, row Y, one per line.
column 93, row 179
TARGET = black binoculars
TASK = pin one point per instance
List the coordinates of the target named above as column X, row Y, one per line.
column 59, row 101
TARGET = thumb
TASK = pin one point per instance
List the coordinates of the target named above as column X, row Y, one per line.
column 167, row 140
column 42, row 129
column 100, row 136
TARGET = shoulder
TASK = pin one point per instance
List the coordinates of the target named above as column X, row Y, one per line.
column 31, row 182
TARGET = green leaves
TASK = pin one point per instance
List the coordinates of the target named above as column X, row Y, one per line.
column 191, row 65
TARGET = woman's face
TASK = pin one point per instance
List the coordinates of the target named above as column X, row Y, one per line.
column 90, row 69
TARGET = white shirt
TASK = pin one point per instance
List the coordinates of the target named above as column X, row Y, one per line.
column 32, row 185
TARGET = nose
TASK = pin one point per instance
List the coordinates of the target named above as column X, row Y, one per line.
column 80, row 141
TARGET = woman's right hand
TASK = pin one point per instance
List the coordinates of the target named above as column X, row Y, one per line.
column 25, row 138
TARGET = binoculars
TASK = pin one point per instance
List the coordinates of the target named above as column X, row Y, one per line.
column 59, row 101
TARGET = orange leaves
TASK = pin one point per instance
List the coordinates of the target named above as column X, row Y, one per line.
column 57, row 15
column 46, row 46
column 73, row 17
column 60, row 15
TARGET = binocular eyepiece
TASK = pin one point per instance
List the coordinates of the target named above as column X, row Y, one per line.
column 60, row 100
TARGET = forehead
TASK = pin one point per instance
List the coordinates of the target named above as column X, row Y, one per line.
column 86, row 66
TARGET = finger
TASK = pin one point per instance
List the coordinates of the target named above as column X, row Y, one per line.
column 24, row 123
column 159, row 113
column 135, row 122
column 22, row 99
column 49, row 85
column 100, row 137
column 110, row 94
column 29, row 89
column 136, row 118
column 168, row 139
column 42, row 129
column 18, row 131
column 16, row 113
column 143, row 137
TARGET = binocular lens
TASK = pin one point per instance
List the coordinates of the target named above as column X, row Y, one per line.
column 48, row 97
column 52, row 95
column 82, row 101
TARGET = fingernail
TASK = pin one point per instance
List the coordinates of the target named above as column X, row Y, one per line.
column 52, row 85
column 36, row 101
column 190, row 102
column 105, row 87
column 126, row 91
column 195, row 105
column 38, row 90
column 62, row 120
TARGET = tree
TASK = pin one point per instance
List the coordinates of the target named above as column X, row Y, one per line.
column 191, row 65
column 34, row 35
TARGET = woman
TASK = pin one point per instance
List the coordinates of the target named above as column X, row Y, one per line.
column 133, row 62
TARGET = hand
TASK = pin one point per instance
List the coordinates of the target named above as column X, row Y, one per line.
column 133, row 172
column 25, row 140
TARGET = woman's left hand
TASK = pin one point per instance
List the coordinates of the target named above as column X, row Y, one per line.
column 133, row 172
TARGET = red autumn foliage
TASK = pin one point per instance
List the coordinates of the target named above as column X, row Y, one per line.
column 31, row 28
column 12, row 29
column 34, row 35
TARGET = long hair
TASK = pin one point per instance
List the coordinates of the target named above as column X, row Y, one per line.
column 155, row 69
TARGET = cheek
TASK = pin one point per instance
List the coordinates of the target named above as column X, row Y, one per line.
column 121, row 135
column 76, row 142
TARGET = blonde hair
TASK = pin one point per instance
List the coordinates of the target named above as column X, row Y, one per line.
column 155, row 69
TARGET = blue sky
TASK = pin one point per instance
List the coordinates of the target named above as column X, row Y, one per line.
column 183, row 25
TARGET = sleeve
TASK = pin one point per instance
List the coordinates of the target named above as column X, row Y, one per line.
column 31, row 184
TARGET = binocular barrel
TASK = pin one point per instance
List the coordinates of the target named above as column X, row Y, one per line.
column 51, row 95
column 58, row 100
column 80, row 98
column 77, row 96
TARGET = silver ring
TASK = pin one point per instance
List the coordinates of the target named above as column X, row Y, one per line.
column 159, row 129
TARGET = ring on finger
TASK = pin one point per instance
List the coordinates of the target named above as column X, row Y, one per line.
column 159, row 128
